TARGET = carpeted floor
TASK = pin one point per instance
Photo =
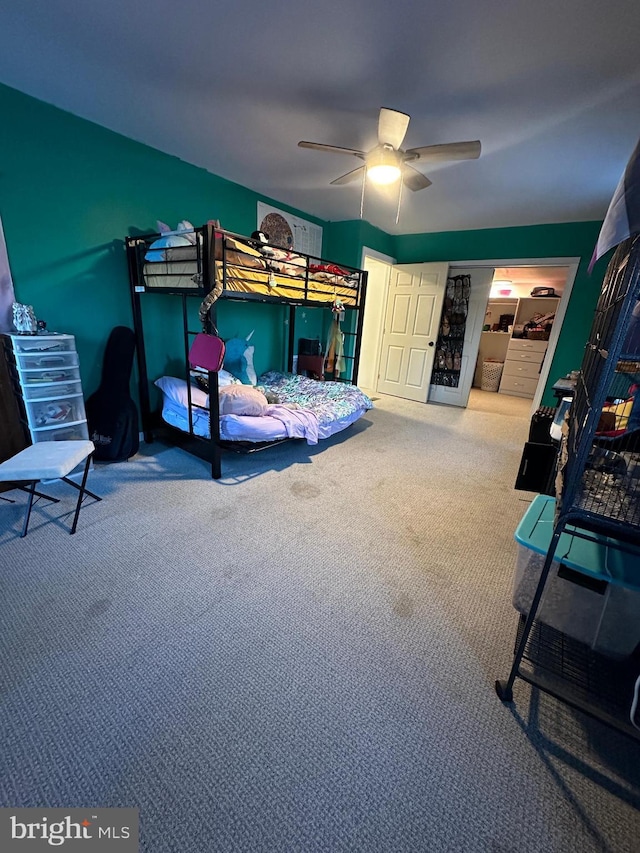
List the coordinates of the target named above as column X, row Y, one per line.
column 301, row 657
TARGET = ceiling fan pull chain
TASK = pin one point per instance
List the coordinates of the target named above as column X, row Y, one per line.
column 364, row 181
column 399, row 200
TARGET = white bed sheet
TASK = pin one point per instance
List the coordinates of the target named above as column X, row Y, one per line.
column 243, row 428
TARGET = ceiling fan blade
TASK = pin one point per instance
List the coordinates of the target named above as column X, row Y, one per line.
column 414, row 180
column 319, row 146
column 447, row 151
column 350, row 176
column 392, row 126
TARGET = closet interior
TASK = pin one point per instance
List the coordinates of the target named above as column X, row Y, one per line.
column 518, row 323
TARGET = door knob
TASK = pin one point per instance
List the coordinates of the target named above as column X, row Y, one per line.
column 430, row 343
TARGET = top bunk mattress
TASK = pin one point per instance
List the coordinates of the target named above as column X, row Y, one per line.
column 239, row 268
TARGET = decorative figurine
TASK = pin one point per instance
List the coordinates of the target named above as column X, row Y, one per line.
column 24, row 319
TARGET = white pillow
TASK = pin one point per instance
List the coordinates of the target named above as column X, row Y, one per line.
column 176, row 390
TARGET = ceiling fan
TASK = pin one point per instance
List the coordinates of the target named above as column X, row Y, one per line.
column 387, row 162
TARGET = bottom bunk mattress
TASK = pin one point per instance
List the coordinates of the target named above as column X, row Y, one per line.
column 300, row 408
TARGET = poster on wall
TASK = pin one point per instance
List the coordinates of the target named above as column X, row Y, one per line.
column 7, row 297
column 288, row 231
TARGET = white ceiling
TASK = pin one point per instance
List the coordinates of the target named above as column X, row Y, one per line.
column 555, row 277
column 550, row 87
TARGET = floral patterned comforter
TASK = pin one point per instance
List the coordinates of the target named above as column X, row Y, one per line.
column 330, row 401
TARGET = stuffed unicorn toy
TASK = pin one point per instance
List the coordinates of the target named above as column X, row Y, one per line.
column 238, row 359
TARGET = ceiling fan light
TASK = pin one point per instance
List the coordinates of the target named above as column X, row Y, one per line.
column 382, row 174
column 382, row 166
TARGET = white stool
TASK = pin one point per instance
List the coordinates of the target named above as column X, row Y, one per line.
column 49, row 460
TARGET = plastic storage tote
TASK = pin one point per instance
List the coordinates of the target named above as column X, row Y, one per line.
column 592, row 591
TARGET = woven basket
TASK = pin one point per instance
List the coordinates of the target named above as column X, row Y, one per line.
column 491, row 375
column 538, row 335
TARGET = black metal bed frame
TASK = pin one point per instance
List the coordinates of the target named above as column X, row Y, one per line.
column 594, row 504
column 211, row 257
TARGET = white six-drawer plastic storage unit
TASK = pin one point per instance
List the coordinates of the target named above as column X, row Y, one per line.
column 46, row 376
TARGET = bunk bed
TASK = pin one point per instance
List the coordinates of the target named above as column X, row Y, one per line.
column 212, row 264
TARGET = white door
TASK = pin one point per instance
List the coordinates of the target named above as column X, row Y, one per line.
column 478, row 296
column 414, row 305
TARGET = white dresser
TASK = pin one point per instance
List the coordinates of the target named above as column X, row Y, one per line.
column 522, row 357
column 46, row 379
column 522, row 365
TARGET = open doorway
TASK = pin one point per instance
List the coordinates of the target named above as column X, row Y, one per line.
column 523, row 274
column 522, row 322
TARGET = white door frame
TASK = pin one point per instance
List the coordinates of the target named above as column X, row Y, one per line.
column 572, row 265
column 389, row 261
column 377, row 256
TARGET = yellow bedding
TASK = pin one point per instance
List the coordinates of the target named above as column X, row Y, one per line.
column 247, row 271
column 242, row 280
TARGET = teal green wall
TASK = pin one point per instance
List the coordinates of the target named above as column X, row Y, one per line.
column 70, row 191
column 566, row 240
column 343, row 241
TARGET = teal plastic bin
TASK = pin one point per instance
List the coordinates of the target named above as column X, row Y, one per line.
column 593, row 589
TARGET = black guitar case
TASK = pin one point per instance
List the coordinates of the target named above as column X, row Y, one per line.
column 112, row 415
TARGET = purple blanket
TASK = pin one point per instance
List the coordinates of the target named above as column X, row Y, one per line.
column 299, row 423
